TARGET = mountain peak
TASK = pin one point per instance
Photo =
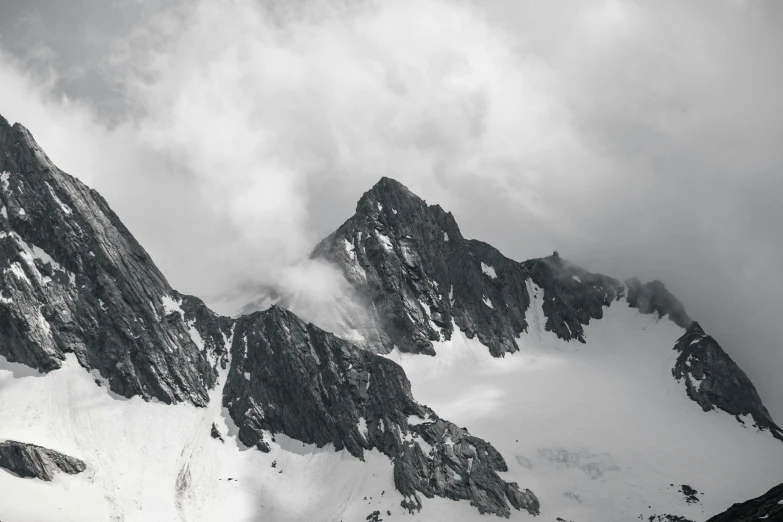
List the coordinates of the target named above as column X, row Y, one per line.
column 387, row 193
column 75, row 280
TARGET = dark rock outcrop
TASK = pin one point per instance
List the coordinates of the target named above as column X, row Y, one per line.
column 293, row 378
column 767, row 507
column 714, row 380
column 73, row 279
column 411, row 266
column 29, row 460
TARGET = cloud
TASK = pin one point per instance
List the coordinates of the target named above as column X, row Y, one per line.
column 636, row 138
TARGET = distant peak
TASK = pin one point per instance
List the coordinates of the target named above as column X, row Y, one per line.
column 387, row 184
column 387, row 192
column 390, row 187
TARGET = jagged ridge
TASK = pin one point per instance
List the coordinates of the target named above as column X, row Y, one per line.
column 293, row 378
column 714, row 380
column 73, row 279
column 411, row 267
column 768, row 507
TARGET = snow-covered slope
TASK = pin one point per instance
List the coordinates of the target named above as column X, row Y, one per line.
column 151, row 461
column 600, row 431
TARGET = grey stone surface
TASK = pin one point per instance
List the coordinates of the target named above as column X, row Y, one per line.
column 767, row 507
column 411, row 266
column 73, row 279
column 31, row 461
column 293, row 378
column 714, row 380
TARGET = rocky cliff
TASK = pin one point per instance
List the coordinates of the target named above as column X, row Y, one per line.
column 767, row 507
column 714, row 380
column 74, row 280
column 31, row 461
column 410, row 266
column 294, row 378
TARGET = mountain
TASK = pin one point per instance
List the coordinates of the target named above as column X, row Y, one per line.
column 569, row 395
column 74, row 280
column 158, row 405
column 768, row 506
column 423, row 280
column 611, row 398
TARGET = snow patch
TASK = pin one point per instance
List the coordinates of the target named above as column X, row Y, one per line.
column 168, row 467
column 362, row 427
column 413, row 420
column 576, row 278
column 349, row 248
column 195, row 336
column 488, row 270
column 424, row 445
column 16, row 269
column 446, row 237
column 386, row 242
column 65, row 208
column 556, row 408
column 487, row 302
column 171, row 305
column 694, row 381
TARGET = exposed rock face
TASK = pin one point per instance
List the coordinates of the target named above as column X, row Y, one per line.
column 73, row 279
column 714, row 380
column 768, row 507
column 29, row 460
column 411, row 266
column 293, row 378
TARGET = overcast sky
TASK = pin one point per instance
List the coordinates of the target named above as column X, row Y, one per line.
column 636, row 138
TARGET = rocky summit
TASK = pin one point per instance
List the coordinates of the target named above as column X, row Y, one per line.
column 73, row 279
column 420, row 278
column 456, row 378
